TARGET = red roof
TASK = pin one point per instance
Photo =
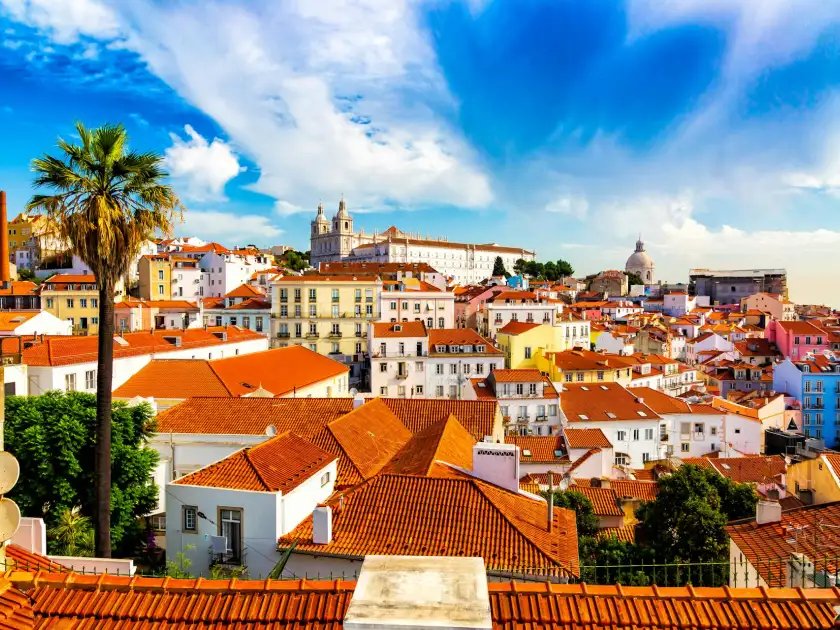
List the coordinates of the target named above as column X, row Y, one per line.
column 70, row 350
column 25, row 560
column 541, row 449
column 19, row 287
column 382, row 330
column 586, row 438
column 405, row 515
column 526, row 375
column 598, row 402
column 280, row 464
column 458, row 337
column 514, row 327
column 604, row 500
column 245, row 291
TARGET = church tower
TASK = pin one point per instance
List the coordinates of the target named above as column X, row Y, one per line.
column 319, row 239
column 343, row 235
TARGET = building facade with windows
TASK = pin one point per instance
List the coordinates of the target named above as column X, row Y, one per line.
column 327, row 314
column 75, row 298
column 520, row 306
column 411, row 301
column 815, row 382
column 244, row 306
column 455, row 356
column 337, row 240
column 795, row 339
column 528, row 401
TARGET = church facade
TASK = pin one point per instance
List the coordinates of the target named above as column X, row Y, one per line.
column 336, row 240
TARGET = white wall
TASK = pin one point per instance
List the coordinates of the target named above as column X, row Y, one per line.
column 17, row 375
column 460, row 378
column 45, row 378
column 300, row 502
column 634, row 448
column 44, row 323
column 433, row 305
column 415, row 365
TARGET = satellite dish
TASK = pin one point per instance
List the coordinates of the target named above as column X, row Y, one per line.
column 353, row 392
column 9, row 519
column 271, row 430
column 9, row 471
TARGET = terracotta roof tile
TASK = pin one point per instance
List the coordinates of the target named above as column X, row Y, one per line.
column 527, row 375
column 19, row 287
column 628, row 489
column 746, row 469
column 625, row 533
column 405, row 515
column 477, row 416
column 597, row 402
column 382, row 330
column 70, row 350
column 644, row 474
column 25, row 560
column 277, row 465
column 517, row 328
column 279, row 371
column 604, row 500
column 254, row 304
column 580, row 359
column 586, row 438
column 543, row 449
column 15, row 608
column 458, row 336
column 446, row 441
column 245, row 291
column 661, row 402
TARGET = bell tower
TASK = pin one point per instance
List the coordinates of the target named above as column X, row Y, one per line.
column 343, row 230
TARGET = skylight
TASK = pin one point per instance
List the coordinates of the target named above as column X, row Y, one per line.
column 610, row 414
column 642, row 414
column 121, row 341
column 583, row 417
column 584, row 388
column 526, row 452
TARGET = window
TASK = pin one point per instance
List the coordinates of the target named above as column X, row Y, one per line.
column 418, row 390
column 233, row 320
column 453, row 369
column 335, row 349
column 520, row 389
column 94, row 303
column 335, row 295
column 622, row 459
column 383, row 367
column 635, row 435
column 684, row 446
column 160, row 289
column 82, row 303
column 527, row 352
column 645, row 457
column 580, row 377
column 70, row 382
column 383, row 391
column 259, row 322
column 567, row 377
column 49, row 302
column 160, row 274
column 440, row 322
column 393, row 306
column 369, row 310
column 69, row 303
column 479, row 368
column 532, row 389
column 600, row 376
column 313, row 310
column 713, row 430
column 358, row 295
column 312, row 295
column 358, row 348
column 439, row 391
column 439, row 368
column 335, row 310
column 230, row 526
column 620, row 436
column 453, row 391
column 90, row 379
column 94, row 320
column 368, row 295
column 417, row 307
column 648, row 434
column 552, row 410
column 190, row 518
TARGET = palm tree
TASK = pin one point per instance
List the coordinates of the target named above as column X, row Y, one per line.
column 72, row 534
column 105, row 202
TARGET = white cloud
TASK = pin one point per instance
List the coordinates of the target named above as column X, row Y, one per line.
column 230, row 228
column 292, row 84
column 573, row 205
column 204, row 167
column 65, row 20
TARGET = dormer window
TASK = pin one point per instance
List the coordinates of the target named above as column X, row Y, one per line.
column 480, row 349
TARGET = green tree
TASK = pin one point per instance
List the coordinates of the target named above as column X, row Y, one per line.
column 28, row 275
column 72, row 535
column 520, row 266
column 53, row 437
column 633, row 278
column 104, row 201
column 295, row 260
column 686, row 521
column 499, row 267
column 564, row 268
column 550, row 272
column 587, row 521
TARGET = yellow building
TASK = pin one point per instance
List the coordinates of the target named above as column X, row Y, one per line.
column 524, row 342
column 155, row 277
column 585, row 366
column 74, row 298
column 820, row 476
column 327, row 314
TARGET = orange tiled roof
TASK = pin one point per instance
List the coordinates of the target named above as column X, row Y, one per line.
column 644, row 474
column 628, row 489
column 10, row 320
column 446, row 441
column 517, row 327
column 604, row 500
column 253, row 304
column 69, row 278
column 383, row 330
column 280, row 464
column 279, row 371
column 543, row 449
column 25, row 560
column 404, row 515
column 586, row 438
column 625, row 533
column 245, row 291
column 767, row 547
column 477, row 416
column 70, row 350
column 580, row 359
column 19, row 287
column 113, row 602
column 522, row 375
column 603, row 402
column 661, row 402
column 746, row 469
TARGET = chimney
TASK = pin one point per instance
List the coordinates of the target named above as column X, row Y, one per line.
column 322, row 525
column 497, row 464
column 5, row 276
column 768, row 512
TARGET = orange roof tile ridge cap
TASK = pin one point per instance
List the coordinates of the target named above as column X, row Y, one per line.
column 221, row 380
column 265, row 485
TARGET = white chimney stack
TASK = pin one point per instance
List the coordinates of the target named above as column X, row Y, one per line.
column 322, row 525
column 498, row 464
column 768, row 512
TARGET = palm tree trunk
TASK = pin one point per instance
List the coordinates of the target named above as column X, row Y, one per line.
column 102, row 452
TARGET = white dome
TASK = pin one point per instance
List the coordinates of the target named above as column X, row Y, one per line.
column 638, row 260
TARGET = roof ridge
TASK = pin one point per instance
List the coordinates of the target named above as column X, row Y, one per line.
column 218, row 376
column 256, row 469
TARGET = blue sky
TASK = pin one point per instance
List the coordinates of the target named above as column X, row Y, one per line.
column 567, row 126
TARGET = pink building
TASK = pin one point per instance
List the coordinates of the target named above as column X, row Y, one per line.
column 795, row 339
column 470, row 300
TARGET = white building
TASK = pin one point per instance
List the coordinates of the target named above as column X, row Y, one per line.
column 466, row 263
column 69, row 363
column 412, row 300
column 614, row 343
column 630, row 426
column 528, row 401
column 187, row 278
column 620, row 310
column 704, row 342
column 521, row 306
column 407, row 360
column 232, row 512
column 244, row 306
column 678, row 303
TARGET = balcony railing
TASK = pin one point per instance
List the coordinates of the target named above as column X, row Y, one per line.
column 313, row 335
column 394, row 354
column 541, row 418
column 334, row 334
column 284, row 335
column 402, row 375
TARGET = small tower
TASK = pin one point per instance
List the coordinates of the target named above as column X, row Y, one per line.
column 344, row 237
column 320, row 225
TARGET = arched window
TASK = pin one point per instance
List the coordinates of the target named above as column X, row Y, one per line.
column 346, row 225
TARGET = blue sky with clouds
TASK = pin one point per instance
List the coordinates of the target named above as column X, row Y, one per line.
column 568, row 126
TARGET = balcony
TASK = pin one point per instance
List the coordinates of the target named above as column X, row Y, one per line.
column 402, row 375
column 284, row 335
column 313, row 335
column 523, row 419
column 334, row 334
column 361, row 335
column 395, row 354
column 541, row 418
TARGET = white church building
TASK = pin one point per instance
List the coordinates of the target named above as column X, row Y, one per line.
column 338, row 241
